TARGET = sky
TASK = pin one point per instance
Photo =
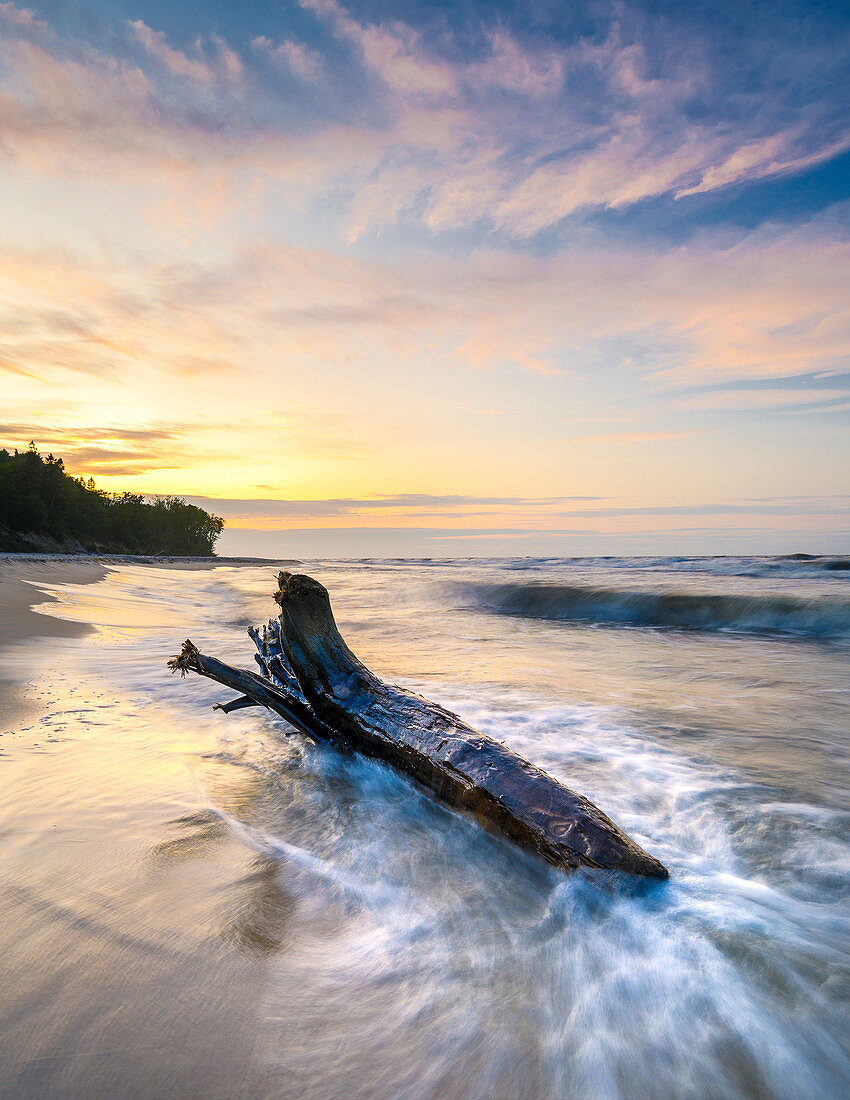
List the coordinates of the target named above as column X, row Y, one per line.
column 436, row 279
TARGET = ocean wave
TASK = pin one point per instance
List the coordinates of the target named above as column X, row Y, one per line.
column 821, row 617
column 791, row 565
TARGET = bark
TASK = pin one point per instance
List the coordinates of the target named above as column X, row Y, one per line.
column 311, row 678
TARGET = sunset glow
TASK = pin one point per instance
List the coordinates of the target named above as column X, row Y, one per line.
column 373, row 279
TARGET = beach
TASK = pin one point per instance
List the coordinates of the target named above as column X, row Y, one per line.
column 194, row 903
column 62, row 806
column 19, row 594
column 521, row 334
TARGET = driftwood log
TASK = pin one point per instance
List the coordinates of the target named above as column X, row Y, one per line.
column 311, row 678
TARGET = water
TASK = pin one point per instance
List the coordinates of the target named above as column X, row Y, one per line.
column 197, row 904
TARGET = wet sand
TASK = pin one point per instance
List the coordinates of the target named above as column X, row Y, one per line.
column 21, row 579
column 20, row 594
column 23, row 575
column 120, row 970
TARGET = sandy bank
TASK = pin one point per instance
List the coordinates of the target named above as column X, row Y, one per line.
column 21, row 579
column 21, row 576
column 20, row 592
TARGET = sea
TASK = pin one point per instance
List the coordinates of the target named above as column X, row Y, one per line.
column 195, row 904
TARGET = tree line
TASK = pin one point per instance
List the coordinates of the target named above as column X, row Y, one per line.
column 41, row 504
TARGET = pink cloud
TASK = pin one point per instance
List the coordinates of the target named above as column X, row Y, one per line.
column 444, row 156
column 539, row 74
column 395, row 53
column 725, row 312
column 303, row 62
column 22, row 18
column 228, row 59
column 781, row 400
column 768, row 308
column 770, row 156
column 177, row 63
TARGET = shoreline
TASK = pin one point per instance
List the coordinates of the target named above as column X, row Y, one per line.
column 24, row 578
column 21, row 591
column 23, row 575
column 134, row 559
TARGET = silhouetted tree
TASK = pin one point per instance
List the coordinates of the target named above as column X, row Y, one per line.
column 38, row 498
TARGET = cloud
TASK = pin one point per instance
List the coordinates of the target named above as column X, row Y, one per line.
column 229, row 61
column 177, row 63
column 454, row 517
column 395, row 54
column 770, row 156
column 628, row 439
column 20, row 18
column 738, row 400
column 60, row 316
column 509, row 136
column 302, row 61
column 313, row 255
column 73, row 436
column 409, row 504
column 834, row 506
column 774, row 305
column 226, row 64
column 539, row 74
column 115, row 461
column 115, row 450
column 626, row 127
column 778, row 536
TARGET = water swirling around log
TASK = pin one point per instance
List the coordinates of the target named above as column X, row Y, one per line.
column 256, row 908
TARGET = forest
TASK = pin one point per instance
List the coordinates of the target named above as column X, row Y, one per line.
column 42, row 507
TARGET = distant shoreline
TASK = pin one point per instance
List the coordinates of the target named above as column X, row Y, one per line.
column 137, row 559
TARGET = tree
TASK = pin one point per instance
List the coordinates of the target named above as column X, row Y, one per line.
column 39, row 498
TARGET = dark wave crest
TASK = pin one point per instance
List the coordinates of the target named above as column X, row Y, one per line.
column 822, row 617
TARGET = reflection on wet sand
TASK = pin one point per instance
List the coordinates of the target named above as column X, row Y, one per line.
column 256, row 908
column 260, row 913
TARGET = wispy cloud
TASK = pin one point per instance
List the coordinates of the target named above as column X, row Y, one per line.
column 335, row 236
column 489, row 517
column 177, row 63
column 427, row 136
column 115, row 450
column 391, row 505
column 20, row 18
column 394, row 54
column 629, row 439
column 295, row 56
column 66, row 437
column 746, row 401
column 714, row 313
column 770, row 156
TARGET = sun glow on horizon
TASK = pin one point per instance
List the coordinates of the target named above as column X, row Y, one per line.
column 317, row 254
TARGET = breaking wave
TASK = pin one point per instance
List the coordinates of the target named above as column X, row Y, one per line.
column 821, row 617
